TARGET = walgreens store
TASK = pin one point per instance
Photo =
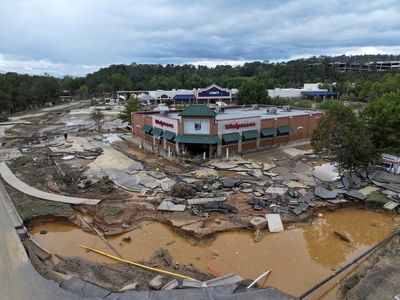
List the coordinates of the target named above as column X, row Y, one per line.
column 199, row 129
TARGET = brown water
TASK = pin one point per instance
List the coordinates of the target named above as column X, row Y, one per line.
column 299, row 258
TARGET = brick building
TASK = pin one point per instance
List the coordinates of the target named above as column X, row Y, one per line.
column 199, row 129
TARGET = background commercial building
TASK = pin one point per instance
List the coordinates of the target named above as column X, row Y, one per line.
column 199, row 129
column 311, row 90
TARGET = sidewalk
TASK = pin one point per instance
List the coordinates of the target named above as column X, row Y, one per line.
column 16, row 183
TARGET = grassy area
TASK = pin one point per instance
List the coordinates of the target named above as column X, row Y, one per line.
column 376, row 199
column 29, row 207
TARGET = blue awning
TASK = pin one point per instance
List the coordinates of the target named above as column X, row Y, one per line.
column 184, row 97
column 319, row 93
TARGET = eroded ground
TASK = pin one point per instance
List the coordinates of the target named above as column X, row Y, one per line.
column 154, row 201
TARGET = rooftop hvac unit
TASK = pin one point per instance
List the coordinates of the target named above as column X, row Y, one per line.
column 287, row 108
column 271, row 110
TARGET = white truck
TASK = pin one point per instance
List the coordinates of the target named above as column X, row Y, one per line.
column 391, row 163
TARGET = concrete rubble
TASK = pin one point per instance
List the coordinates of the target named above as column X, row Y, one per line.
column 274, row 222
column 156, row 282
column 258, row 222
column 170, row 206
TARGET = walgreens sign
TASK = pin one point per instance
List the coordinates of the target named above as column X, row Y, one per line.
column 164, row 124
column 240, row 125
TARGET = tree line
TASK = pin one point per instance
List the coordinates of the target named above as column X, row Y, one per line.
column 20, row 92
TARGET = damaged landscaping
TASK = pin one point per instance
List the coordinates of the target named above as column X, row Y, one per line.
column 190, row 216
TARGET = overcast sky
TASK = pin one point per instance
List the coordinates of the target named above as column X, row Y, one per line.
column 79, row 36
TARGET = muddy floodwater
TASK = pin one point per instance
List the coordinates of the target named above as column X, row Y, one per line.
column 299, row 257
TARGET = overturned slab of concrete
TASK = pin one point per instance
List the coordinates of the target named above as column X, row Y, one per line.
column 274, row 222
column 227, row 279
column 196, row 201
column 170, row 206
column 354, row 194
column 391, row 205
column 324, row 193
column 276, row 190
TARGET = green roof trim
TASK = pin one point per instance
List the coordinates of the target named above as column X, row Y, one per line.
column 269, row 131
column 197, row 139
column 231, row 137
column 250, row 134
column 198, row 110
column 157, row 131
column 168, row 135
column 147, row 128
column 177, row 138
column 284, row 129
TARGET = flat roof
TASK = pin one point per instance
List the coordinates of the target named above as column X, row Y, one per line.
column 248, row 112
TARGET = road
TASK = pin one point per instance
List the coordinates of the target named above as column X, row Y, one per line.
column 18, row 279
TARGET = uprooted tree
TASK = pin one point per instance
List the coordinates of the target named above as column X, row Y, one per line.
column 341, row 136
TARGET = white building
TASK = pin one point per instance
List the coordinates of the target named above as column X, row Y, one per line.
column 295, row 93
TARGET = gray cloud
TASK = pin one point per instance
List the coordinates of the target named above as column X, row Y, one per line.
column 76, row 37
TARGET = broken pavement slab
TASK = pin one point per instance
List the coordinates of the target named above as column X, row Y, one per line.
column 294, row 184
column 21, row 186
column 230, row 182
column 391, row 205
column 156, row 282
column 274, row 222
column 354, row 194
column 258, row 222
column 227, row 279
column 205, row 173
column 276, row 190
column 324, row 193
column 170, row 206
column 196, row 201
column 173, row 284
column 223, row 165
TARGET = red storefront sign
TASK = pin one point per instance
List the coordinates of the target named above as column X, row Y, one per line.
column 239, row 125
column 162, row 123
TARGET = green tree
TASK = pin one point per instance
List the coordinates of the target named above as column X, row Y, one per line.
column 252, row 92
column 131, row 106
column 341, row 136
column 98, row 117
column 83, row 90
column 382, row 119
column 5, row 95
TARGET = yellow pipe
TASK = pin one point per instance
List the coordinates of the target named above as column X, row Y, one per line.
column 136, row 264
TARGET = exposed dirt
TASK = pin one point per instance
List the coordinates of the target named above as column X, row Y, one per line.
column 40, row 169
column 149, row 159
column 32, row 209
column 113, row 277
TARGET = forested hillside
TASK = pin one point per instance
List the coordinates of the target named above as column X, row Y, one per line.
column 19, row 92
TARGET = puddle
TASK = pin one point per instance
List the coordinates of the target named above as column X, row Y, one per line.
column 299, row 258
column 326, row 172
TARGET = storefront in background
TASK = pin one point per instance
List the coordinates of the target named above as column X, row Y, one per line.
column 199, row 130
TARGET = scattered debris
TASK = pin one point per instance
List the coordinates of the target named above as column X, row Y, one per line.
column 342, row 236
column 170, row 206
column 258, row 222
column 274, row 222
column 323, row 193
column 156, row 282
